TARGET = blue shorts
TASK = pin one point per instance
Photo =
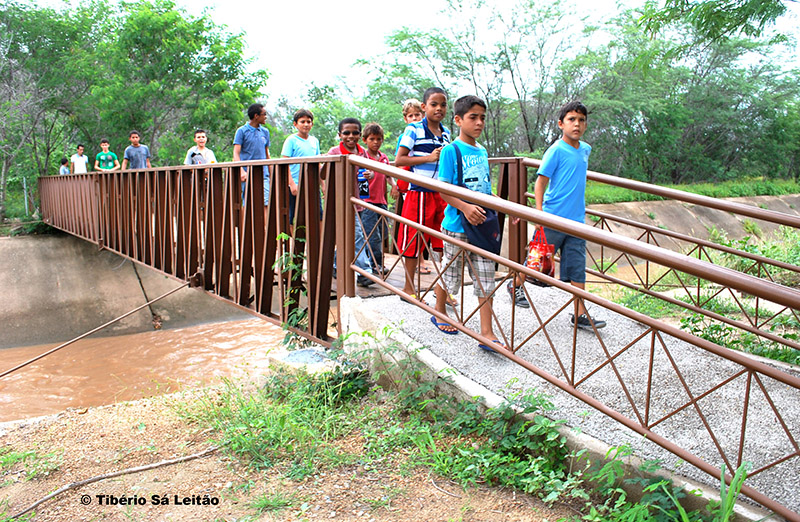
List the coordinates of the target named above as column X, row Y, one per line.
column 573, row 255
column 266, row 187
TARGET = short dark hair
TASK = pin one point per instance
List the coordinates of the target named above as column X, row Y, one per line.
column 104, row 140
column 64, row 161
column 199, row 131
column 465, row 103
column 131, row 133
column 302, row 113
column 80, row 145
column 575, row 106
column 254, row 110
column 372, row 129
column 345, row 121
column 430, row 91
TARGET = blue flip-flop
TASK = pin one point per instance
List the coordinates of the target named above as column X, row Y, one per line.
column 439, row 326
column 489, row 348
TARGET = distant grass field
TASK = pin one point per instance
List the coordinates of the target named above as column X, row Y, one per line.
column 597, row 193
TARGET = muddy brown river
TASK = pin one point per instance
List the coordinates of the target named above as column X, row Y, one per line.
column 104, row 370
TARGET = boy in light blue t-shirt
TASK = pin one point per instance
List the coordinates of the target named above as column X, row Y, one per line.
column 560, row 189
column 299, row 145
column 470, row 116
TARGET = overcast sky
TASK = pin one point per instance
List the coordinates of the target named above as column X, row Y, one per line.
column 303, row 41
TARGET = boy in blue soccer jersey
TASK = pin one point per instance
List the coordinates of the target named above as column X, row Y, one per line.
column 419, row 149
column 470, row 116
column 299, row 145
column 560, row 188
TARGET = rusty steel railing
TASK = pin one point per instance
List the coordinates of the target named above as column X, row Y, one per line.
column 227, row 252
column 755, row 315
column 574, row 365
column 70, row 203
column 193, row 223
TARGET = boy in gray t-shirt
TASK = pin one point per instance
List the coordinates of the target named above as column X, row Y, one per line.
column 137, row 155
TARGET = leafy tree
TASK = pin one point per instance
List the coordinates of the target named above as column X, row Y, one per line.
column 714, row 19
column 698, row 117
column 167, row 73
column 100, row 69
column 531, row 50
column 515, row 73
column 33, row 45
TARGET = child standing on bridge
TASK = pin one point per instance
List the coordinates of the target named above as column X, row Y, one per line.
column 467, row 156
column 419, row 149
column 79, row 161
column 199, row 154
column 63, row 169
column 373, row 222
column 136, row 154
column 349, row 134
column 106, row 160
column 299, row 145
column 412, row 113
column 560, row 189
column 251, row 142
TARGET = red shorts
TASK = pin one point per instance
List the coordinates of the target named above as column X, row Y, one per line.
column 425, row 208
column 402, row 186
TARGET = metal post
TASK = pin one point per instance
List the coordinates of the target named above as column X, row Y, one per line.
column 25, row 192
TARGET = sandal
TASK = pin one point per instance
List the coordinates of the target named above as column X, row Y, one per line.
column 489, row 348
column 424, row 270
column 409, row 301
column 440, row 326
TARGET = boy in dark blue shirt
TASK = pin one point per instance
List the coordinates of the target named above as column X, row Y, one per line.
column 251, row 142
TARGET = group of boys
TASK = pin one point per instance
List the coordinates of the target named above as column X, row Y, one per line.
column 136, row 156
column 427, row 149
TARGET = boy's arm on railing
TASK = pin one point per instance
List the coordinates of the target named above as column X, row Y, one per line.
column 474, row 213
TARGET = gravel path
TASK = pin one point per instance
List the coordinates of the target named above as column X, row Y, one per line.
column 722, row 408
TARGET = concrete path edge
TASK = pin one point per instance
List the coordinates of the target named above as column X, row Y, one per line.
column 357, row 318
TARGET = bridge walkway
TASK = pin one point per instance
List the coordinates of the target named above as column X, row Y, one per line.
column 696, row 367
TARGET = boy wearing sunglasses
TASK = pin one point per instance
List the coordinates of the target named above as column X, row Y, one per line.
column 349, row 134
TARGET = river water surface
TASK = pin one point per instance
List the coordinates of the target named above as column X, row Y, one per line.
column 104, row 370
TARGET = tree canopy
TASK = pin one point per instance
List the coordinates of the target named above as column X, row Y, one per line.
column 102, row 69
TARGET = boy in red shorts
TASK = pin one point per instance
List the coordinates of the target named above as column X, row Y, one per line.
column 419, row 149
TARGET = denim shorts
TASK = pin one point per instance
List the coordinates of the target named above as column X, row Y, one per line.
column 573, row 255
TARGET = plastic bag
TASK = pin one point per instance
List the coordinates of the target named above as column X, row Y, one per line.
column 540, row 254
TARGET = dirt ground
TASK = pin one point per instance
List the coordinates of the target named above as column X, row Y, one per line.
column 79, row 444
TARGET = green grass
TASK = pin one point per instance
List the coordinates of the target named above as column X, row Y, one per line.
column 647, row 305
column 735, row 339
column 289, row 421
column 293, row 421
column 273, row 502
column 783, row 245
column 601, row 193
column 34, row 464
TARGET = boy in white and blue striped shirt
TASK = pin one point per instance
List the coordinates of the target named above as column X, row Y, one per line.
column 419, row 149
